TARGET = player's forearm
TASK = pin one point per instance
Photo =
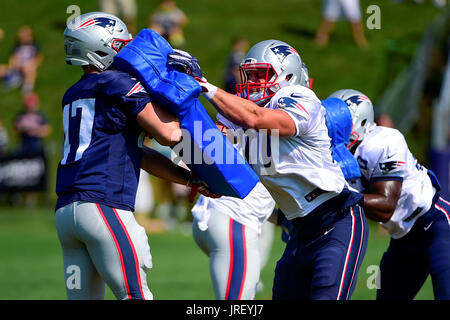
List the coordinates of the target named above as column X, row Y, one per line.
column 240, row 111
column 378, row 207
column 160, row 124
column 162, row 167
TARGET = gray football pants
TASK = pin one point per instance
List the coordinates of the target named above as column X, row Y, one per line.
column 102, row 245
column 234, row 258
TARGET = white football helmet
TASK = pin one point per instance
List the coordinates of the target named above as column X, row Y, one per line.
column 94, row 39
column 277, row 62
column 361, row 109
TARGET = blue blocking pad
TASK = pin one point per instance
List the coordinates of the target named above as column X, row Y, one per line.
column 208, row 153
column 339, row 123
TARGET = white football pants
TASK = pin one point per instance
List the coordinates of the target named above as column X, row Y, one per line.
column 234, row 258
column 102, row 245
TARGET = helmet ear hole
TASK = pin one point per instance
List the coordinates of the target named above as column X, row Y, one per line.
column 289, row 77
column 363, row 122
column 101, row 53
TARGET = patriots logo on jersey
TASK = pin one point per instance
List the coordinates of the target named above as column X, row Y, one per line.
column 104, row 22
column 136, row 89
column 391, row 165
column 283, row 51
column 356, row 100
column 285, row 102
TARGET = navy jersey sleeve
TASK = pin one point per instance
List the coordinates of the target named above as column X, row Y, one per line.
column 126, row 92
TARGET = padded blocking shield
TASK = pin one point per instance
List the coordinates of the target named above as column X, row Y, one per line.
column 339, row 123
column 207, row 152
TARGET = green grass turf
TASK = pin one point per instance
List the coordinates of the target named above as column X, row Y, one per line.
column 31, row 262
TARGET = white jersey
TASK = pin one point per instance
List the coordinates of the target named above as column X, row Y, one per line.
column 251, row 211
column 384, row 155
column 304, row 174
column 301, row 174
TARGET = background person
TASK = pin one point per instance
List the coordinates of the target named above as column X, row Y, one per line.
column 32, row 126
column 332, row 10
column 169, row 21
column 24, row 61
column 232, row 76
column 124, row 9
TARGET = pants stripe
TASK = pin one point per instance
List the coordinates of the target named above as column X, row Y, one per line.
column 347, row 257
column 444, row 201
column 238, row 261
column 359, row 252
column 125, row 248
column 133, row 251
column 443, row 210
column 347, row 278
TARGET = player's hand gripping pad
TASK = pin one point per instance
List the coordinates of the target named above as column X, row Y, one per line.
column 208, row 154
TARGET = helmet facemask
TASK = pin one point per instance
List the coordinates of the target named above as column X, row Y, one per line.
column 362, row 116
column 118, row 44
column 258, row 82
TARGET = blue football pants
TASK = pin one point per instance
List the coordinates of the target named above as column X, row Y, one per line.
column 326, row 266
column 423, row 251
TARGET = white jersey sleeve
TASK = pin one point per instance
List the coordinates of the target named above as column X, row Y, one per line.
column 384, row 155
column 298, row 106
column 302, row 173
column 387, row 158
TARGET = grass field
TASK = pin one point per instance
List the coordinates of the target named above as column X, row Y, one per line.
column 31, row 262
column 30, row 257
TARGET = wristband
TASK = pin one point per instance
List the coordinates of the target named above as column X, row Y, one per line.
column 210, row 92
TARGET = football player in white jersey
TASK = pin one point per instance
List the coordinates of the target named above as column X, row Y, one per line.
column 228, row 230
column 329, row 239
column 404, row 197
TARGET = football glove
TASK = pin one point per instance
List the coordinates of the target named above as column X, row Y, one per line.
column 185, row 62
column 199, row 186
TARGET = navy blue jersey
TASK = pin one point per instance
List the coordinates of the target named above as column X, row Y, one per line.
column 101, row 159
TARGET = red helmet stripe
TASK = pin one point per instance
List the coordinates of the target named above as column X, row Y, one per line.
column 86, row 24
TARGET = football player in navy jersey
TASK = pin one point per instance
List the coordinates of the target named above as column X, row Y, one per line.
column 106, row 116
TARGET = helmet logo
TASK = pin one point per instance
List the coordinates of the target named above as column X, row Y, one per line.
column 282, row 51
column 356, row 100
column 104, row 22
